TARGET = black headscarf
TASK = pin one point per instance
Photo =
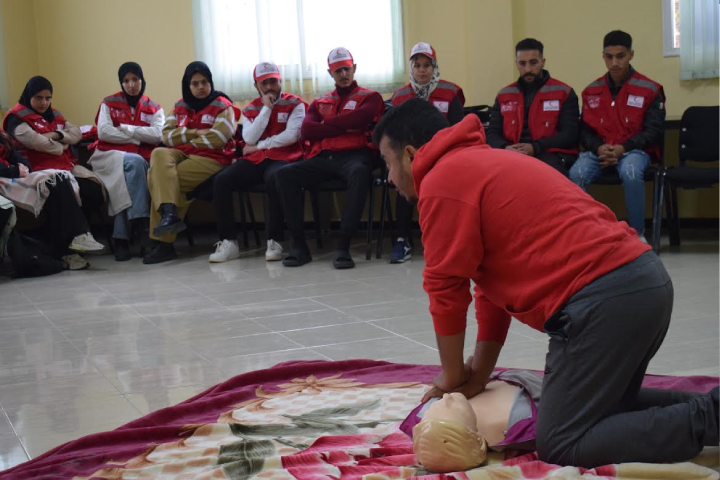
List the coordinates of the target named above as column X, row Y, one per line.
column 33, row 86
column 198, row 104
column 135, row 69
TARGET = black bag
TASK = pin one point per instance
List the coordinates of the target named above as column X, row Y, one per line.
column 31, row 257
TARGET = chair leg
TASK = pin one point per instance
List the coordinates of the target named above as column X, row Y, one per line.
column 251, row 213
column 190, row 237
column 381, row 234
column 656, row 185
column 658, row 210
column 675, row 225
column 371, row 208
column 243, row 220
column 315, row 203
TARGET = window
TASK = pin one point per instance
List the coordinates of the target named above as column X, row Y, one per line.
column 671, row 27
column 700, row 32
column 232, row 36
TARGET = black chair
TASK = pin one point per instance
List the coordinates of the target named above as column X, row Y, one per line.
column 699, row 137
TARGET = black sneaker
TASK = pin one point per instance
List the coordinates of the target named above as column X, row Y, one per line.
column 297, row 257
column 343, row 260
column 159, row 253
column 122, row 250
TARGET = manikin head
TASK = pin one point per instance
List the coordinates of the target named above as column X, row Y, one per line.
column 447, row 440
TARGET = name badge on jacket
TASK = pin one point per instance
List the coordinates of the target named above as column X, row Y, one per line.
column 350, row 105
column 551, row 106
column 508, row 106
column 635, row 101
column 146, row 117
column 207, row 119
column 61, row 126
column 282, row 117
column 442, row 106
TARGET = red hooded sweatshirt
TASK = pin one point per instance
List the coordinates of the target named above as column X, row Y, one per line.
column 523, row 233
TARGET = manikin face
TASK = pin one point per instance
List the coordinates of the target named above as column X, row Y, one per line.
column 399, row 165
column 199, row 86
column 132, row 84
column 453, row 407
column 269, row 85
column 423, row 69
column 343, row 76
column 530, row 65
column 40, row 102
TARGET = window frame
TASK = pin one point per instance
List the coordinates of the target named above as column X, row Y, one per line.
column 669, row 49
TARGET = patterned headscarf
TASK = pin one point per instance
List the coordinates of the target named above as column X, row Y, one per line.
column 424, row 91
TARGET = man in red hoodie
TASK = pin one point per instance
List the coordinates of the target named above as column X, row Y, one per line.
column 541, row 250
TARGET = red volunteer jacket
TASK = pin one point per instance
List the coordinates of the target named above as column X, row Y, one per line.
column 441, row 97
column 329, row 106
column 41, row 160
column 544, row 111
column 205, row 118
column 526, row 237
column 616, row 121
column 278, row 122
column 120, row 112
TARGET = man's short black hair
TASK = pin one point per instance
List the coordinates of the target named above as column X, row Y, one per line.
column 415, row 122
column 618, row 38
column 529, row 44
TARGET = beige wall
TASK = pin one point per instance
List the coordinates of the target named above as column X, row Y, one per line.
column 78, row 45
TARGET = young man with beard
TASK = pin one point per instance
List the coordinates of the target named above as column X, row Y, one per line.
column 623, row 119
column 537, row 115
column 337, row 132
column 271, row 131
column 541, row 250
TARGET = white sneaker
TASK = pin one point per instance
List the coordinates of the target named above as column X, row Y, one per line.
column 642, row 238
column 86, row 243
column 274, row 251
column 225, row 250
column 74, row 262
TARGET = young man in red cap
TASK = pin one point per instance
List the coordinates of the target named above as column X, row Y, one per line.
column 271, row 131
column 336, row 131
column 537, row 115
column 541, row 250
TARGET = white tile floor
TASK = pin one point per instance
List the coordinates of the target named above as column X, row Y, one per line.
column 82, row 352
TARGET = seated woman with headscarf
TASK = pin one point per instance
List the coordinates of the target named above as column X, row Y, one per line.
column 54, row 192
column 45, row 137
column 425, row 83
column 199, row 136
column 129, row 128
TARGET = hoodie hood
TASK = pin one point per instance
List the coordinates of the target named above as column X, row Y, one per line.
column 469, row 132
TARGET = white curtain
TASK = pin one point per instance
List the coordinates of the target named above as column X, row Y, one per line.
column 699, row 39
column 232, row 36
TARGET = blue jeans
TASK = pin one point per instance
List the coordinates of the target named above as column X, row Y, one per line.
column 136, row 170
column 631, row 169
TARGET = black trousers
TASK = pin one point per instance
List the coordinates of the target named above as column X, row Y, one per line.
column 240, row 176
column 64, row 218
column 593, row 410
column 559, row 161
column 403, row 217
column 354, row 167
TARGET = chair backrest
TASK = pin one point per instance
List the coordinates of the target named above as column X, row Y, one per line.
column 482, row 111
column 700, row 134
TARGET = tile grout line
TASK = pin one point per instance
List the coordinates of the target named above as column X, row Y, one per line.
column 22, row 444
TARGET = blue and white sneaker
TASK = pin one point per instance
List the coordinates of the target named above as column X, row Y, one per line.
column 401, row 251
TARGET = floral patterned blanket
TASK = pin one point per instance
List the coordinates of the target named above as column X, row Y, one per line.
column 306, row 420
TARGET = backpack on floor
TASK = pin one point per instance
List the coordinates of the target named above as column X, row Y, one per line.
column 30, row 257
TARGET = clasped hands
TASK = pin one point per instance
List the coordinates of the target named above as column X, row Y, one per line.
column 470, row 385
column 609, row 155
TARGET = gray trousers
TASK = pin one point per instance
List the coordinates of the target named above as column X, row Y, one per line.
column 593, row 411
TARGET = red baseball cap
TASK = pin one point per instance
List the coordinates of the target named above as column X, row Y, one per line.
column 340, row 57
column 424, row 49
column 266, row 70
